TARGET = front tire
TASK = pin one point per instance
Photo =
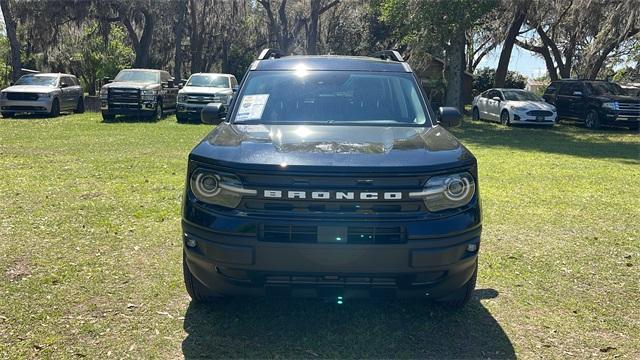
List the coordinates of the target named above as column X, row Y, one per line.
column 475, row 114
column 196, row 290
column 505, row 119
column 462, row 296
column 80, row 105
column 159, row 113
column 55, row 108
column 108, row 117
column 592, row 121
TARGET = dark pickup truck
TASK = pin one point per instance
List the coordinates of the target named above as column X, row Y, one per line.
column 138, row 92
column 596, row 102
column 331, row 177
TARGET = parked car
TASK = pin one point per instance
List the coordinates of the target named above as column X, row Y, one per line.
column 513, row 106
column 331, row 177
column 596, row 102
column 138, row 92
column 43, row 93
column 201, row 89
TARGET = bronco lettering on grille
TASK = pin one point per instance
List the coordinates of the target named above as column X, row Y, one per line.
column 333, row 195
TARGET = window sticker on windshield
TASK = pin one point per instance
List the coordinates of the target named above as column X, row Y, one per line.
column 251, row 107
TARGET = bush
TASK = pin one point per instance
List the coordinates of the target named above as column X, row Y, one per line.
column 484, row 78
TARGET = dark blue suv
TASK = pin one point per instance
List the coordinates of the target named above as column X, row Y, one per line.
column 330, row 176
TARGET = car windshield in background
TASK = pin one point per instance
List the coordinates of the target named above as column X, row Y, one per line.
column 138, row 76
column 520, row 95
column 605, row 88
column 38, row 80
column 209, row 81
column 331, row 97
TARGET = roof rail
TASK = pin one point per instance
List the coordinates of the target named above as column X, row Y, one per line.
column 391, row 55
column 270, row 54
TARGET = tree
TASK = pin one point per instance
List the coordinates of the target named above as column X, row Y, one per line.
column 10, row 26
column 519, row 14
column 179, row 27
column 484, row 79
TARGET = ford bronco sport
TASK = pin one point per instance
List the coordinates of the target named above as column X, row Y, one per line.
column 331, row 176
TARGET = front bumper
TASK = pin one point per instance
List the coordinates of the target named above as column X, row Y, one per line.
column 522, row 118
column 621, row 118
column 113, row 108
column 26, row 106
column 427, row 265
column 189, row 110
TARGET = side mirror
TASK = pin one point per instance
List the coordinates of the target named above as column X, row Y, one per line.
column 11, row 83
column 577, row 93
column 449, row 117
column 213, row 113
column 170, row 83
column 63, row 85
column 106, row 80
column 496, row 98
column 235, row 88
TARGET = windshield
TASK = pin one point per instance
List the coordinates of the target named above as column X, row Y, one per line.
column 42, row 80
column 605, row 88
column 138, row 76
column 331, row 97
column 203, row 80
column 520, row 95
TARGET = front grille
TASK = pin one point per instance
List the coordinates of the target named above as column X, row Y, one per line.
column 22, row 96
column 334, row 235
column 124, row 96
column 629, row 107
column 539, row 113
column 202, row 98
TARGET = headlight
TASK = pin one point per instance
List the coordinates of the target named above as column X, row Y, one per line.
column 182, row 97
column 218, row 188
column 447, row 191
column 44, row 95
column 519, row 108
column 104, row 91
column 611, row 105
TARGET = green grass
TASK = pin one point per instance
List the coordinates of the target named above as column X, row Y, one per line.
column 90, row 254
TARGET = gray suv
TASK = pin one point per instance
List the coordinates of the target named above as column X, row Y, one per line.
column 43, row 93
column 139, row 92
column 201, row 89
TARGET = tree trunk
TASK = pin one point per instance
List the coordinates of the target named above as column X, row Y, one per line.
column 507, row 47
column 10, row 24
column 312, row 33
column 455, row 71
column 181, row 11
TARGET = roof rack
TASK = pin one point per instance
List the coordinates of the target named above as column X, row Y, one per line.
column 391, row 55
column 270, row 54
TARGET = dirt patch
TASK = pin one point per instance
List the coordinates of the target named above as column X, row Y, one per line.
column 18, row 270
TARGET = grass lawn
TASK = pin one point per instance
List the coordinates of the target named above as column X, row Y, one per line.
column 90, row 254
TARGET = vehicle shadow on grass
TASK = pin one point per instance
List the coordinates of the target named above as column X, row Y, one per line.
column 130, row 119
column 312, row 328
column 565, row 140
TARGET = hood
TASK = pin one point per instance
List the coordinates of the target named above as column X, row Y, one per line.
column 619, row 98
column 365, row 147
column 531, row 105
column 130, row 85
column 30, row 89
column 204, row 90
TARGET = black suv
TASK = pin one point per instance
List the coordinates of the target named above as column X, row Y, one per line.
column 331, row 176
column 596, row 102
column 138, row 92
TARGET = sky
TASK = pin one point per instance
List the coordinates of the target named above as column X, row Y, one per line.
column 522, row 61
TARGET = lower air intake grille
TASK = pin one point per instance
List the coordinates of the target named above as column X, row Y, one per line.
column 352, row 234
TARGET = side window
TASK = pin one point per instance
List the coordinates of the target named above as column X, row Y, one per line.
column 485, row 95
column 567, row 89
column 64, row 81
column 164, row 77
column 552, row 88
column 234, row 82
column 492, row 93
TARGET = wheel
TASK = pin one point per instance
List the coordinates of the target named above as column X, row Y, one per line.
column 504, row 118
column 196, row 290
column 592, row 121
column 634, row 127
column 108, row 117
column 159, row 113
column 55, row 108
column 475, row 114
column 181, row 118
column 80, row 105
column 462, row 296
column 8, row 115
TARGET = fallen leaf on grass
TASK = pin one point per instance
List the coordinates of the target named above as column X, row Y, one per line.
column 607, row 349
